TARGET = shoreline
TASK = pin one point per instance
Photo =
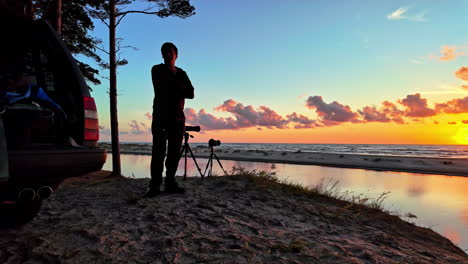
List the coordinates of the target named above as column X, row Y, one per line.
column 424, row 165
column 234, row 219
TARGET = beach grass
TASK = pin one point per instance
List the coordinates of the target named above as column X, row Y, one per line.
column 326, row 188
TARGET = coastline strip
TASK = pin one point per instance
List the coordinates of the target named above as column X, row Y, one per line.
column 425, row 165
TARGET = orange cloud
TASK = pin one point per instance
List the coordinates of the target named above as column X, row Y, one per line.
column 462, row 73
column 448, row 53
column 455, row 106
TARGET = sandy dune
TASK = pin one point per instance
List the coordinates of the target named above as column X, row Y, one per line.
column 94, row 219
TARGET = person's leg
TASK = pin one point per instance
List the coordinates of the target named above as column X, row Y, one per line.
column 174, row 144
column 4, row 174
column 158, row 154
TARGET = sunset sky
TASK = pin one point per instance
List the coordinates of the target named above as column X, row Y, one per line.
column 343, row 71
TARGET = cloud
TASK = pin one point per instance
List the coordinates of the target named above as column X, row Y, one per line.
column 462, row 73
column 107, row 131
column 208, row 121
column 392, row 110
column 333, row 112
column 416, row 106
column 398, row 14
column 455, row 106
column 465, row 122
column 270, row 118
column 449, row 53
column 452, row 123
column 248, row 116
column 401, row 13
column 371, row 114
column 302, row 121
column 436, row 122
column 464, row 87
column 412, row 108
column 149, row 116
column 138, row 128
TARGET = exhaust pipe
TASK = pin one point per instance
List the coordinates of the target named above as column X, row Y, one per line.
column 27, row 194
column 44, row 192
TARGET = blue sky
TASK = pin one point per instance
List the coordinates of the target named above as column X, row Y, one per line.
column 278, row 53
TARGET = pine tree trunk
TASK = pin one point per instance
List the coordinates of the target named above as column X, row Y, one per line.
column 116, row 171
column 58, row 22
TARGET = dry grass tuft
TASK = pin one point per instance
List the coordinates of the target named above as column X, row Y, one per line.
column 327, row 188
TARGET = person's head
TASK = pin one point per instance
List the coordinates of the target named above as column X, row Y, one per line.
column 169, row 52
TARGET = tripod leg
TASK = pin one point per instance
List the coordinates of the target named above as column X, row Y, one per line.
column 182, row 154
column 185, row 163
column 194, row 160
column 211, row 164
column 219, row 162
column 207, row 165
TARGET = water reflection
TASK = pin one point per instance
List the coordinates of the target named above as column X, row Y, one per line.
column 415, row 191
column 453, row 235
column 439, row 202
column 464, row 216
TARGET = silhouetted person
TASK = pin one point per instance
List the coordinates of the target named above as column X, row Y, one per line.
column 171, row 87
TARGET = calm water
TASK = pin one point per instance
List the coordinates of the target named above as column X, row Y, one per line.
column 440, row 202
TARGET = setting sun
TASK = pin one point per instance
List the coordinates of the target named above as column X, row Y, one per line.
column 462, row 136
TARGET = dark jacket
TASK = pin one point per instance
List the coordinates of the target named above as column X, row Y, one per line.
column 170, row 91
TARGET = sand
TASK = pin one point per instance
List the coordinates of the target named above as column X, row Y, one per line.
column 97, row 219
column 444, row 166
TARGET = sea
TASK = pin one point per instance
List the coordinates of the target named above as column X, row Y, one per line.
column 434, row 151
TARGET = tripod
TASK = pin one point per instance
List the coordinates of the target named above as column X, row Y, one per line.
column 186, row 148
column 210, row 163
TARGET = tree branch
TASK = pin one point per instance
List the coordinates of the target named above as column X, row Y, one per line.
column 103, row 21
column 137, row 12
column 120, row 19
column 102, row 49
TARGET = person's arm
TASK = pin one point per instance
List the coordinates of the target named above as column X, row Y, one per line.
column 159, row 92
column 154, row 77
column 187, row 87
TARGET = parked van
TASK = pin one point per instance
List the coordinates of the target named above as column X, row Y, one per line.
column 50, row 123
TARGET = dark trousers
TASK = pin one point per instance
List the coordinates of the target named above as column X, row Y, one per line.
column 171, row 134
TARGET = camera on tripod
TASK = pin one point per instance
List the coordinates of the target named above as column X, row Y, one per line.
column 213, row 143
column 192, row 128
column 186, row 149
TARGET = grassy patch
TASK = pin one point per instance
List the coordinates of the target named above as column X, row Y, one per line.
column 327, row 188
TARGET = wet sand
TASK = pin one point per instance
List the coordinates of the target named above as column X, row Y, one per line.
column 444, row 166
column 98, row 219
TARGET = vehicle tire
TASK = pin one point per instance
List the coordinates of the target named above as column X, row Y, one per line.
column 15, row 215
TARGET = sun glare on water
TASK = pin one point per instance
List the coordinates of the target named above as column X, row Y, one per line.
column 462, row 136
